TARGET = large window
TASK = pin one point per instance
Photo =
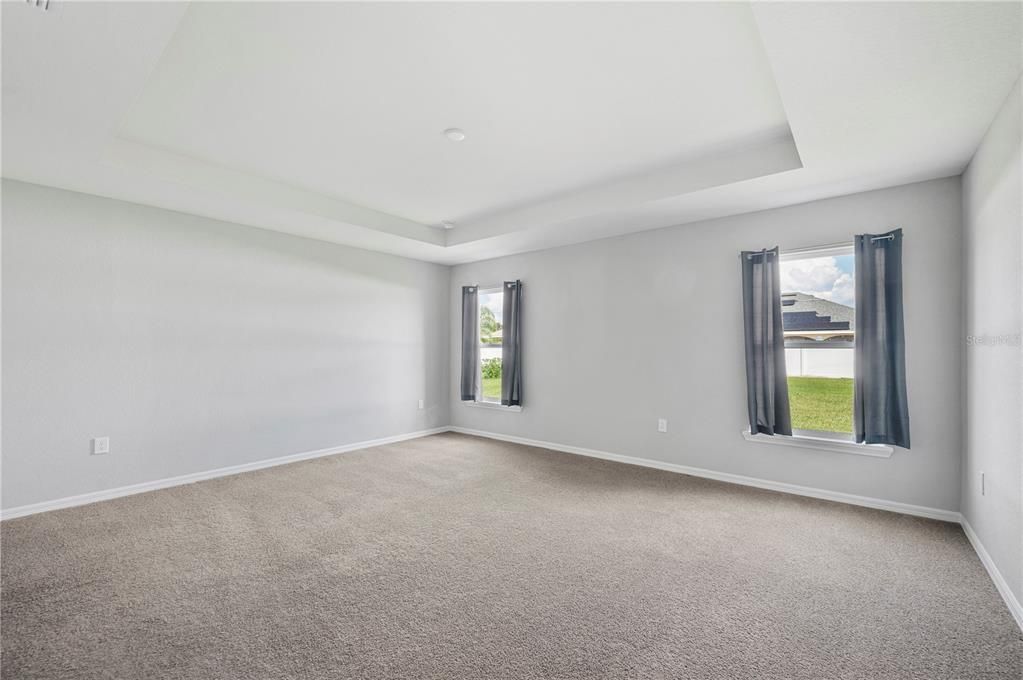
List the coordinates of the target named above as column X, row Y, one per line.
column 491, row 303
column 819, row 322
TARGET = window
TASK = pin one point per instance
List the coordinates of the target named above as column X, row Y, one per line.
column 490, row 371
column 818, row 318
column 491, row 304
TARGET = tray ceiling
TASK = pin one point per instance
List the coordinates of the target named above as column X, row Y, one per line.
column 582, row 120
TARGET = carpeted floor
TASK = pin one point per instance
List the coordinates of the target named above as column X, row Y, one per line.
column 457, row 557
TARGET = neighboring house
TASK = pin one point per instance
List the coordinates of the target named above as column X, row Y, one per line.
column 490, row 345
column 818, row 336
column 810, row 319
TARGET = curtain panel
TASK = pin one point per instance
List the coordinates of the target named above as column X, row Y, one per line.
column 511, row 345
column 767, row 389
column 880, row 407
column 470, row 382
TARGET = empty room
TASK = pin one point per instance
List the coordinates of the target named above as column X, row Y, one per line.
column 511, row 340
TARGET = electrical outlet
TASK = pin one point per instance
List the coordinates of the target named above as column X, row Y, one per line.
column 422, row 404
column 983, row 486
column 100, row 445
column 662, row 424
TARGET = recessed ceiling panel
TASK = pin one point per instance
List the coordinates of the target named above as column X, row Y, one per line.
column 581, row 120
column 352, row 99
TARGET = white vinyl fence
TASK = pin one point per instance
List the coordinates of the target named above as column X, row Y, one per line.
column 822, row 363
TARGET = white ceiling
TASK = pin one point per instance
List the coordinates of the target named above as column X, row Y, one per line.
column 583, row 120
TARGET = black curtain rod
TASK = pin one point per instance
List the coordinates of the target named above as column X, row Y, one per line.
column 887, row 237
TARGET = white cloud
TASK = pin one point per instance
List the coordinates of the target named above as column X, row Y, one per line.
column 819, row 276
column 843, row 290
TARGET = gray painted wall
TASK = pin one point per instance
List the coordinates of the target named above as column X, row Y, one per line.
column 620, row 332
column 993, row 217
column 197, row 344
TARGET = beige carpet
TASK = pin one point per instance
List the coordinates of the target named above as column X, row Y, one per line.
column 458, row 557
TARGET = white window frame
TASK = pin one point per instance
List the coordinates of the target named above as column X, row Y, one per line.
column 839, row 442
column 482, row 402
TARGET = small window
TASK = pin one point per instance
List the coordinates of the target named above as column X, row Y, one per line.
column 491, row 304
column 818, row 318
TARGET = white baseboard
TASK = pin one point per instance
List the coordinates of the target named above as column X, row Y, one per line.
column 107, row 494
column 1000, row 583
column 865, row 501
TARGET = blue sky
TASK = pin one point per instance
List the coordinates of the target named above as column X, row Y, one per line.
column 830, row 278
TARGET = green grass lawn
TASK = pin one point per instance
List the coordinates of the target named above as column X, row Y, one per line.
column 821, row 403
column 492, row 388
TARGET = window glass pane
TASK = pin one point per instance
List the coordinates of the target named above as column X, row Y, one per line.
column 491, row 313
column 818, row 319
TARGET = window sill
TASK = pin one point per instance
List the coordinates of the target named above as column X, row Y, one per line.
column 492, row 405
column 822, row 444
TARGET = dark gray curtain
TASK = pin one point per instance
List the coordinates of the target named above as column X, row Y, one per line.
column 767, row 389
column 880, row 410
column 470, row 343
column 511, row 345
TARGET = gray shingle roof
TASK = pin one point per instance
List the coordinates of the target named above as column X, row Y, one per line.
column 804, row 312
